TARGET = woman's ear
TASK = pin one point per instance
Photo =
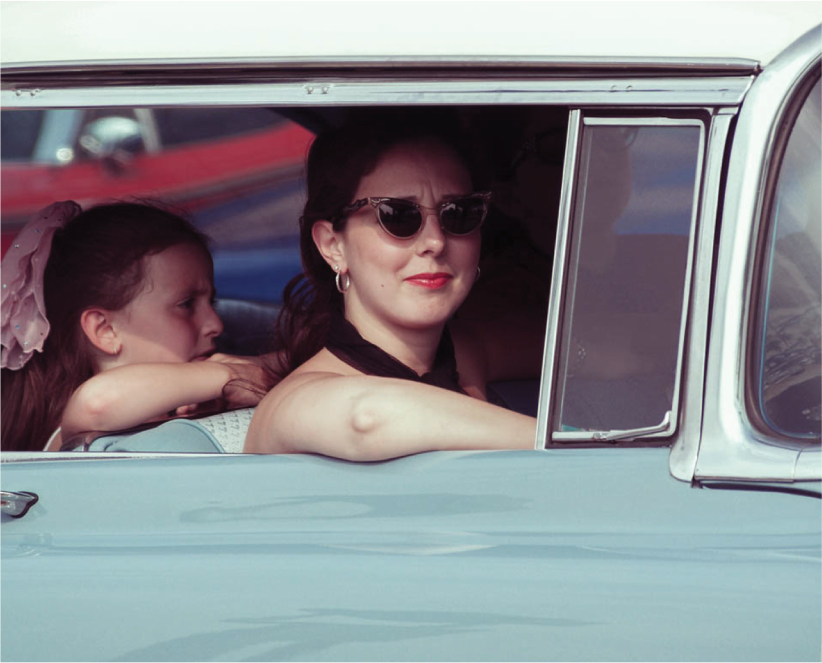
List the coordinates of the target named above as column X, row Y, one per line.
column 96, row 324
column 329, row 244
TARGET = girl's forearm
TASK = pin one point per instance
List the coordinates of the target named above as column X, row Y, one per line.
column 130, row 395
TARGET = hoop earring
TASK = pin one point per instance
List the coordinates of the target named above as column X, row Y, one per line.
column 342, row 286
column 478, row 274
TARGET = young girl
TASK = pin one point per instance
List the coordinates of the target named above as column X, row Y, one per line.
column 107, row 323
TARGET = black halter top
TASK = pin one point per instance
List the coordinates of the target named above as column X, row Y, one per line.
column 345, row 343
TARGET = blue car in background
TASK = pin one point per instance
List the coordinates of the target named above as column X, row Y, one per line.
column 657, row 196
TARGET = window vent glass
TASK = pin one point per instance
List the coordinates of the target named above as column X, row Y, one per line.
column 632, row 229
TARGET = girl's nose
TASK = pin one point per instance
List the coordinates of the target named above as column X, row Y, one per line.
column 212, row 325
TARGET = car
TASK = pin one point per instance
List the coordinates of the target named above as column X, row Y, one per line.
column 657, row 199
column 217, row 164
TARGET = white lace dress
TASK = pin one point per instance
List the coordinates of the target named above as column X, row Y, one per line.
column 229, row 428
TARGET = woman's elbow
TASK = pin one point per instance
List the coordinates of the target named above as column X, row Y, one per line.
column 364, row 429
column 353, row 428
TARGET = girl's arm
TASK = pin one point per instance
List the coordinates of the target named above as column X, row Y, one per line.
column 130, row 395
column 366, row 418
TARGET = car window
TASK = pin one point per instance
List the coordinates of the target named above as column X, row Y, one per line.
column 632, row 227
column 787, row 352
column 238, row 174
column 622, row 332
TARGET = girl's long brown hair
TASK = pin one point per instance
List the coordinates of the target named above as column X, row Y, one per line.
column 96, row 259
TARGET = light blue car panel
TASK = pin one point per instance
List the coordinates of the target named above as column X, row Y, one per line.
column 440, row 556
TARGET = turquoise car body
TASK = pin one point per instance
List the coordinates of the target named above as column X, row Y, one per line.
column 587, row 554
column 697, row 538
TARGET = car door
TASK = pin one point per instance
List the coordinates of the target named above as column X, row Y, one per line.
column 607, row 541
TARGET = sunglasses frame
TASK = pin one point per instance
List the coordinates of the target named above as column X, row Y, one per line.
column 376, row 202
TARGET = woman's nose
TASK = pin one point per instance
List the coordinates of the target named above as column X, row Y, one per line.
column 432, row 238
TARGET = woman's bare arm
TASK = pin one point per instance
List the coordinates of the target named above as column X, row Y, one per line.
column 366, row 418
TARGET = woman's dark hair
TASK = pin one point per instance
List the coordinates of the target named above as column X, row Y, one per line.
column 337, row 161
column 96, row 259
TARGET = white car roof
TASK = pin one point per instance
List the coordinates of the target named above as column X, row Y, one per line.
column 66, row 32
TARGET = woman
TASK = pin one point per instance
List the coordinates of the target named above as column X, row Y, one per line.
column 391, row 244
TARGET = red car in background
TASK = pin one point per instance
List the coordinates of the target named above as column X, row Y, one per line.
column 214, row 164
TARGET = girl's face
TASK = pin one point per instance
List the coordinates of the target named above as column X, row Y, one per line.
column 172, row 318
column 409, row 283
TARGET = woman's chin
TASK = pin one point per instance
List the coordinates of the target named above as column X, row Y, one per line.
column 428, row 316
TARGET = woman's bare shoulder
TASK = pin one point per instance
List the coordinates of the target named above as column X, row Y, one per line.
column 326, row 363
column 321, row 366
column 293, row 399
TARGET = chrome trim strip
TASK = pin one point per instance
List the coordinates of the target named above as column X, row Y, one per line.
column 685, row 92
column 555, row 303
column 682, row 460
column 662, row 429
column 640, row 122
column 50, row 456
column 696, row 66
column 688, row 285
column 731, row 447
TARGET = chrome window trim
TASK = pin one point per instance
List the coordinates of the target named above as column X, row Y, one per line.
column 731, row 447
column 668, row 426
column 661, row 65
column 44, row 456
column 555, row 301
column 686, row 92
column 647, row 92
column 682, row 459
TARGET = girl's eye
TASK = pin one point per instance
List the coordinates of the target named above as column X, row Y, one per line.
column 187, row 304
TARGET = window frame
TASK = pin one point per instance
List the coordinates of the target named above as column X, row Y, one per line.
column 731, row 447
column 717, row 93
column 554, row 367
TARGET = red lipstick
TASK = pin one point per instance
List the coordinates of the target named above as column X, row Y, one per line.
column 431, row 281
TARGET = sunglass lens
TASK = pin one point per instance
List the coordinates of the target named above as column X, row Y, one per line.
column 465, row 215
column 399, row 218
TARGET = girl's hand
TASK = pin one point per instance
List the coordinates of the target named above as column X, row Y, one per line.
column 184, row 410
column 247, row 379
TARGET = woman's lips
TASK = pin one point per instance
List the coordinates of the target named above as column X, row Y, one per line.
column 430, row 281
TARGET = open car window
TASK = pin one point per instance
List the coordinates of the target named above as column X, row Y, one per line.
column 238, row 174
column 629, row 224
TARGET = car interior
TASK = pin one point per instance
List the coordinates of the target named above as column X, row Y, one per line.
column 250, row 208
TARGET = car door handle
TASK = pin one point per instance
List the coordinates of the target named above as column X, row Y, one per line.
column 17, row 504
